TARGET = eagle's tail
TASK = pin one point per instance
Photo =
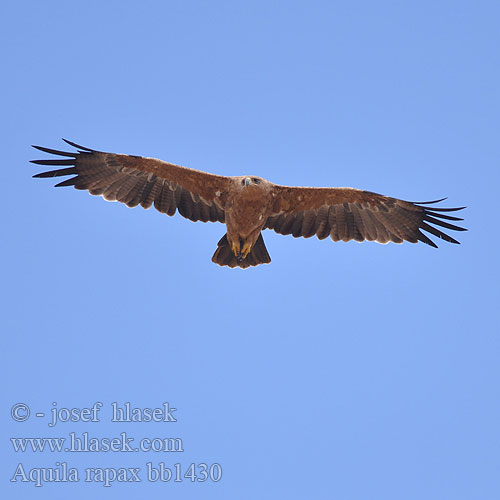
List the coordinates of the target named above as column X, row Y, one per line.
column 224, row 256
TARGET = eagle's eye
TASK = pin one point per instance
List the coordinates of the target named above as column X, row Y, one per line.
column 255, row 180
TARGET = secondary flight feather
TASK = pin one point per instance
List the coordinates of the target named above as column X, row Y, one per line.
column 249, row 204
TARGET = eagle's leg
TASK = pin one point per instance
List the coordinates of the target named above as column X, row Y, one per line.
column 247, row 246
column 242, row 248
column 224, row 255
column 235, row 247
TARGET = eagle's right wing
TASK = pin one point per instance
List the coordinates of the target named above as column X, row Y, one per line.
column 135, row 180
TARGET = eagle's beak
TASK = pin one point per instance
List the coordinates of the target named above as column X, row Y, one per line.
column 248, row 181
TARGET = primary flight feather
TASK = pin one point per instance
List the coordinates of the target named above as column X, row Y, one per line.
column 249, row 204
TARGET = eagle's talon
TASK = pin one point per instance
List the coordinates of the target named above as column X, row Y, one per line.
column 246, row 249
column 235, row 247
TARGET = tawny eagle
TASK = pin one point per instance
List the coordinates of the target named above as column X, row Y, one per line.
column 249, row 204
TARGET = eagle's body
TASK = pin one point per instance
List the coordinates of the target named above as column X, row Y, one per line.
column 248, row 204
column 247, row 209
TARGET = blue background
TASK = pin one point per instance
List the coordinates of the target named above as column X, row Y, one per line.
column 340, row 371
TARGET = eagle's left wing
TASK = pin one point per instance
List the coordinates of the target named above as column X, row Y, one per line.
column 135, row 180
column 352, row 214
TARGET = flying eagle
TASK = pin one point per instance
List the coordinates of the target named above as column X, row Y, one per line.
column 249, row 204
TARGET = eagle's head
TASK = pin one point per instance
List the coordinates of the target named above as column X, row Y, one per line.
column 251, row 181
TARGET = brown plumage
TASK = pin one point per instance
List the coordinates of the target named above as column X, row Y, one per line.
column 247, row 205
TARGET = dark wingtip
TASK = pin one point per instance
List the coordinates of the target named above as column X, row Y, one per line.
column 429, row 202
column 54, row 151
column 67, row 182
column 422, row 204
column 52, row 161
column 77, row 146
column 433, row 216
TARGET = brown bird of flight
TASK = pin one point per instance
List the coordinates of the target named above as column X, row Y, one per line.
column 248, row 204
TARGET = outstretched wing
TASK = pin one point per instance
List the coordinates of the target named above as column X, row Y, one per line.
column 135, row 180
column 352, row 214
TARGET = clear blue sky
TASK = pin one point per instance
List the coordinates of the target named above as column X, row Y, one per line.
column 341, row 371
